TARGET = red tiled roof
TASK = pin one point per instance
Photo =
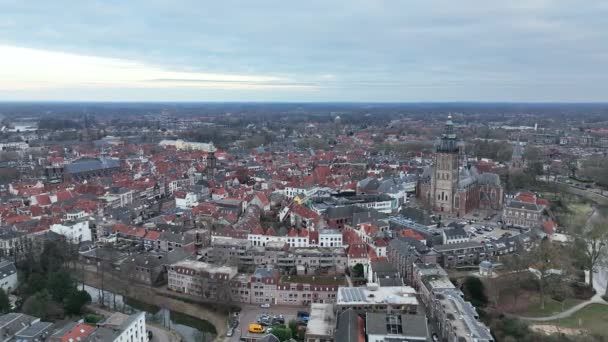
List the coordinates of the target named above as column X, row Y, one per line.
column 152, row 235
column 263, row 199
column 549, row 227
column 357, row 251
column 64, row 195
column 411, row 234
column 257, row 230
column 78, row 333
column 43, row 200
column 313, row 236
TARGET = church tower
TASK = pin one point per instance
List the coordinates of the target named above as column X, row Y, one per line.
column 444, row 182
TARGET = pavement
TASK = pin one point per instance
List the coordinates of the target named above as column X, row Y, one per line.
column 162, row 335
column 249, row 314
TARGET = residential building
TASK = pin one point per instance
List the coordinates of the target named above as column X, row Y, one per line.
column 384, row 327
column 185, row 200
column 121, row 328
column 201, row 279
column 454, row 235
column 72, row 332
column 8, row 276
column 74, row 231
column 321, row 324
column 374, row 298
column 457, row 319
column 403, row 253
column 460, row 254
column 37, row 331
column 524, row 211
column 330, row 238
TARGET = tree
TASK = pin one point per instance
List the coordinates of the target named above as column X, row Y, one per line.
column 5, row 304
column 281, row 332
column 53, row 256
column 60, row 285
column 591, row 239
column 358, row 271
column 35, row 283
column 75, row 301
column 549, row 266
column 474, row 289
column 42, row 305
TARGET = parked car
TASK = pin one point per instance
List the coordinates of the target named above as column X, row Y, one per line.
column 435, row 337
column 230, row 332
column 265, row 305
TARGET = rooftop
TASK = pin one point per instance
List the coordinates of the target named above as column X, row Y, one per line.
column 413, row 327
column 322, row 320
column 396, row 295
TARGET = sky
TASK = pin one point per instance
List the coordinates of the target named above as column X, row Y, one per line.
column 313, row 50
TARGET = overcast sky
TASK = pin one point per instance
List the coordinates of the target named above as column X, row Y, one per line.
column 350, row 50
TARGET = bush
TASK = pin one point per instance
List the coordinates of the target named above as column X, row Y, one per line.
column 582, row 291
column 92, row 318
column 475, row 291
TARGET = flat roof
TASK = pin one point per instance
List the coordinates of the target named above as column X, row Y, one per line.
column 322, row 320
column 397, row 295
column 203, row 266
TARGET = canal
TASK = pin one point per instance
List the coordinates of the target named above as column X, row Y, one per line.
column 191, row 329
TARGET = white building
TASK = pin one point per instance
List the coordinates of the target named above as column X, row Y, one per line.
column 330, row 238
column 74, row 232
column 121, row 328
column 189, row 145
column 185, row 200
column 8, row 276
column 14, row 146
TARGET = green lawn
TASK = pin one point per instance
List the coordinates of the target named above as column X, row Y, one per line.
column 580, row 208
column 592, row 318
column 551, row 307
column 316, row 280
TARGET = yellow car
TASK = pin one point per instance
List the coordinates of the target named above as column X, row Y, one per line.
column 256, row 328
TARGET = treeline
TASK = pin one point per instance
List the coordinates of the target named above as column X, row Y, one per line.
column 58, row 124
column 47, row 288
column 500, row 151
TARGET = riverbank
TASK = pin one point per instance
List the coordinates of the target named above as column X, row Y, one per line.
column 159, row 333
column 157, row 297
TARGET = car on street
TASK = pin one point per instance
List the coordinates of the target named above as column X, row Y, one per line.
column 265, row 305
column 230, row 332
column 435, row 337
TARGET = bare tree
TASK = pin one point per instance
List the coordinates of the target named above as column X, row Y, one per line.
column 590, row 247
column 547, row 263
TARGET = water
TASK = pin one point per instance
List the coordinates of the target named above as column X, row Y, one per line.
column 190, row 328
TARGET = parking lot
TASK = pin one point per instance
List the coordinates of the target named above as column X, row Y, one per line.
column 250, row 313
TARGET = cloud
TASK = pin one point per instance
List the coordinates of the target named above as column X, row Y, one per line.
column 24, row 68
column 312, row 50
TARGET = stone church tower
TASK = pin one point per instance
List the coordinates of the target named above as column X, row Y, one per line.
column 444, row 180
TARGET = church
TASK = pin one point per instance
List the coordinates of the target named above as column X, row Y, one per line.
column 455, row 187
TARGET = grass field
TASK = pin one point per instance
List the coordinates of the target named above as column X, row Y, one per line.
column 592, row 318
column 551, row 307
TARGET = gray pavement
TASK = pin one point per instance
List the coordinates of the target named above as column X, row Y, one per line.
column 250, row 313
